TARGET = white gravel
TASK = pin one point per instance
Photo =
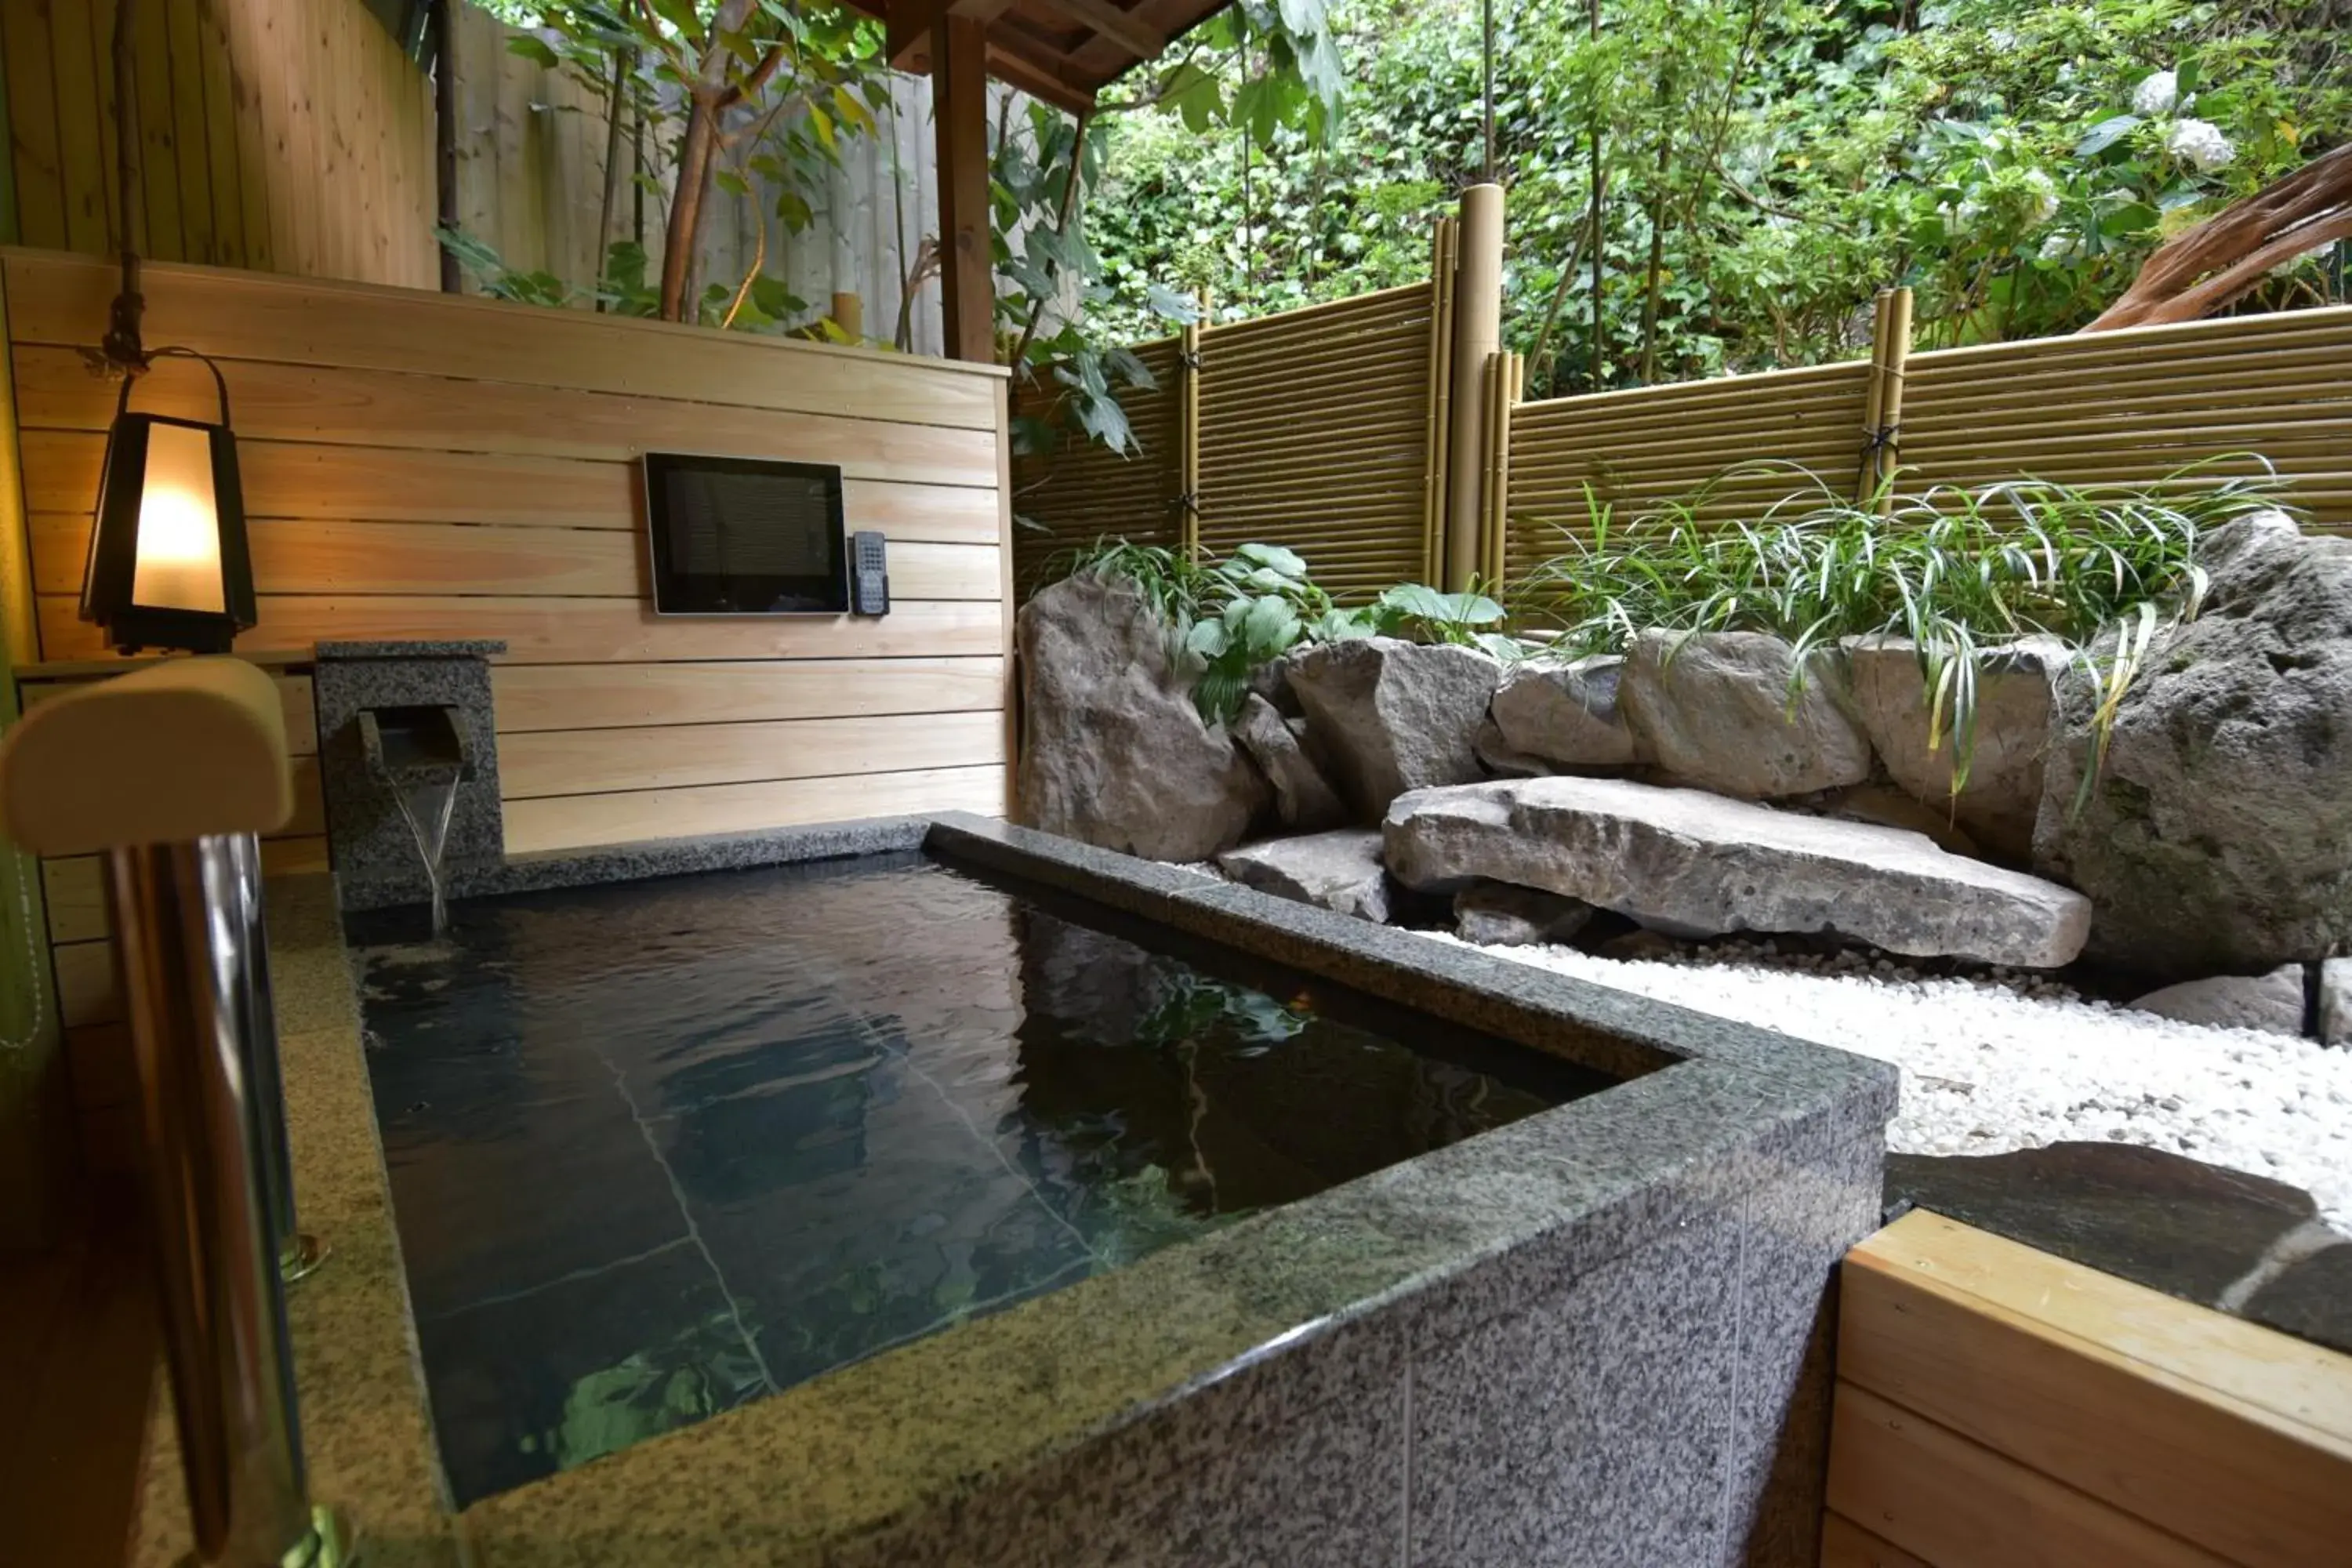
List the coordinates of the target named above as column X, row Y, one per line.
column 2013, row 1061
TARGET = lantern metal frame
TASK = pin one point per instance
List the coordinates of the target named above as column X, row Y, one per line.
column 110, row 573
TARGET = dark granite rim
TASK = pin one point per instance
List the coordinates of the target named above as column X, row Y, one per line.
column 1568, row 1188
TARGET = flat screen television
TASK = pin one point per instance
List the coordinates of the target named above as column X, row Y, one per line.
column 745, row 536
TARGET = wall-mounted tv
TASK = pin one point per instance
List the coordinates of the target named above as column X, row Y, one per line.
column 745, row 536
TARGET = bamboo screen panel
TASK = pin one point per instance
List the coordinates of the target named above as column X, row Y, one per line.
column 1315, row 435
column 1083, row 490
column 2123, row 408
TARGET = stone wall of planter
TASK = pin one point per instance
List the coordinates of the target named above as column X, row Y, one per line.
column 1682, row 787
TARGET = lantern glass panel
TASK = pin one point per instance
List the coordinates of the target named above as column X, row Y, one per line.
column 179, row 561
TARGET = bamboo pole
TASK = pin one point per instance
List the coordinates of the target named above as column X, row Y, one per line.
column 1506, row 371
column 1886, row 449
column 1874, row 399
column 1477, row 333
column 1437, row 487
column 1188, row 425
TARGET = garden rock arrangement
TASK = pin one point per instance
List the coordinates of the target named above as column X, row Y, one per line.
column 2218, row 836
column 1114, row 753
column 1695, row 786
column 1690, row 862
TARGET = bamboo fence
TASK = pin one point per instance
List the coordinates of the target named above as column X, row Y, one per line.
column 2122, row 407
column 1311, row 428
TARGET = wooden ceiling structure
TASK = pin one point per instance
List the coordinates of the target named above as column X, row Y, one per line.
column 1060, row 52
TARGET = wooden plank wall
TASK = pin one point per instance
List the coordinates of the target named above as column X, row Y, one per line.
column 1998, row 1407
column 2128, row 406
column 422, row 466
column 418, row 465
column 283, row 135
column 1313, row 435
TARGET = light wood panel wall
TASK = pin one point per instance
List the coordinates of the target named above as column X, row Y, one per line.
column 419, row 465
column 287, row 136
column 1998, row 1407
column 2129, row 407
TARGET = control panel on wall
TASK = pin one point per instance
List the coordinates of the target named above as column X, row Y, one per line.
column 869, row 574
column 752, row 536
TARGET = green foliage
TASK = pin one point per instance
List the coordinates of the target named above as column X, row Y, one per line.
column 2101, row 568
column 1225, row 620
column 1767, row 164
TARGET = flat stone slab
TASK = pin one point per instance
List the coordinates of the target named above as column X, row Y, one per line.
column 1698, row 861
column 1340, row 870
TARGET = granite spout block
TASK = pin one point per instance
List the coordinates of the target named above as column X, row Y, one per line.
column 406, row 716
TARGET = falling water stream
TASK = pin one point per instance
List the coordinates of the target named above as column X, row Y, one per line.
column 417, row 804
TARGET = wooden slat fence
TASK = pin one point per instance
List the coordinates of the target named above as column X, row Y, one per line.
column 281, row 135
column 2129, row 406
column 1314, row 434
column 530, row 184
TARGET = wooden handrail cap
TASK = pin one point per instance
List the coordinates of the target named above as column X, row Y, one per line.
column 179, row 750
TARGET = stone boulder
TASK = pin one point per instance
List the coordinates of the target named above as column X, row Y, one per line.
column 1114, row 752
column 1391, row 715
column 2335, row 1002
column 1697, row 861
column 1565, row 714
column 2271, row 1003
column 1303, row 798
column 1715, row 712
column 2017, row 698
column 1502, row 914
column 2218, row 836
column 1340, row 870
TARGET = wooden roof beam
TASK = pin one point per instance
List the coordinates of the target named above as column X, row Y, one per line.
column 1126, row 29
column 1041, row 73
column 910, row 23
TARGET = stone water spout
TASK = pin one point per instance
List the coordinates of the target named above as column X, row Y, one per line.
column 419, row 753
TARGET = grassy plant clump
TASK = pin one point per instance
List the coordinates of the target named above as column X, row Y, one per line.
column 2101, row 568
column 1225, row 619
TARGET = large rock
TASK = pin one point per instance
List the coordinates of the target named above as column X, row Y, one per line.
column 1303, row 799
column 2335, row 1002
column 2271, row 1003
column 1392, row 715
column 2218, row 838
column 1565, row 714
column 1715, row 710
column 1697, row 861
column 2016, row 701
column 1114, row 752
column 1340, row 870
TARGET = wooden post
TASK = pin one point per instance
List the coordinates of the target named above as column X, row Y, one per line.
column 444, row 143
column 849, row 314
column 959, row 127
column 1477, row 334
column 1874, row 398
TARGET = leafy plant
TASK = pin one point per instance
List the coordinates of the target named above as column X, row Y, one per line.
column 2102, row 568
column 1225, row 620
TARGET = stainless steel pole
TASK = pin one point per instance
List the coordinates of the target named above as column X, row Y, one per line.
column 184, row 965
column 241, row 899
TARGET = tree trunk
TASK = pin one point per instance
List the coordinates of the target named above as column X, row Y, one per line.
column 1657, row 232
column 622, row 60
column 697, row 161
column 1600, row 356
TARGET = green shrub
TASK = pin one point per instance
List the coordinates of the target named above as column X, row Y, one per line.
column 2101, row 568
column 1225, row 619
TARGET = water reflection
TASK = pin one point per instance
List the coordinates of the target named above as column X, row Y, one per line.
column 656, row 1150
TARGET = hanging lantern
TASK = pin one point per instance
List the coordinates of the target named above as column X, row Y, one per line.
column 168, row 567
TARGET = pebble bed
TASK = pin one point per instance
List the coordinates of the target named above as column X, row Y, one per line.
column 2006, row 1060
